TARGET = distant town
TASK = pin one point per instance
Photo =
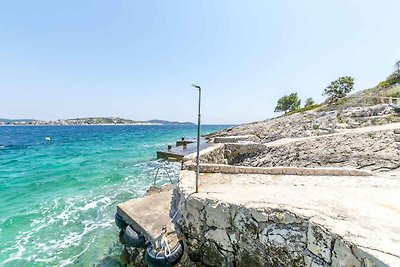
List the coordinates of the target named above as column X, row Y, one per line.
column 87, row 121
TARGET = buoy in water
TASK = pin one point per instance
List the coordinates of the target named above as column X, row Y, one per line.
column 47, row 138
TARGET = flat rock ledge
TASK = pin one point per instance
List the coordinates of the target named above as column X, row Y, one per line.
column 321, row 171
column 289, row 220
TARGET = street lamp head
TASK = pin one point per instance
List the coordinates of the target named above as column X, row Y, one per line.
column 196, row 86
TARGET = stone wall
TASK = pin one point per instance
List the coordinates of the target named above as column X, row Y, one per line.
column 225, row 153
column 228, row 169
column 235, row 151
column 214, row 154
column 222, row 234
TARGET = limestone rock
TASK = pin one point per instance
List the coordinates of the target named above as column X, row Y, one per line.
column 314, row 123
column 211, row 255
column 217, row 215
column 259, row 215
column 313, row 261
column 244, row 223
column 343, row 256
column 319, row 242
column 284, row 217
column 220, row 237
column 375, row 151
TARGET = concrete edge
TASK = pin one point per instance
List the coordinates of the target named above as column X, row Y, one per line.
column 228, row 169
column 192, row 156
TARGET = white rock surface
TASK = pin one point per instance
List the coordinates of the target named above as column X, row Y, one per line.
column 294, row 220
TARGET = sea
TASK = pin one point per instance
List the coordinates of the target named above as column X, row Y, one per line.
column 58, row 197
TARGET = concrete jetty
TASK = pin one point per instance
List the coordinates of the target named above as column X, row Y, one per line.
column 149, row 214
column 185, row 142
column 178, row 153
column 316, row 220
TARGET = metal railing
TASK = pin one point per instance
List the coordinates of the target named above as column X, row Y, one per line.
column 158, row 171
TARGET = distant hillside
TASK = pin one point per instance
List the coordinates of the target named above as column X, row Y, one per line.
column 170, row 122
column 90, row 121
column 15, row 120
column 103, row 120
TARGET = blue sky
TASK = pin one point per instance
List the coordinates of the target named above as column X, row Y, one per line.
column 137, row 59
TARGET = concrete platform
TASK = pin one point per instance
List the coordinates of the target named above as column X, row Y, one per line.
column 177, row 153
column 364, row 211
column 149, row 214
column 181, row 142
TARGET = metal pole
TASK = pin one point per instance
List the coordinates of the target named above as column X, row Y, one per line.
column 198, row 141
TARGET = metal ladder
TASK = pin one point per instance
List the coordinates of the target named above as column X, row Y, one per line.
column 158, row 171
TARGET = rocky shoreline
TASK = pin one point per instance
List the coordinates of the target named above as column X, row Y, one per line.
column 314, row 123
column 316, row 189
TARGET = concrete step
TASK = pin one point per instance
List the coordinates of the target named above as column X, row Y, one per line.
column 149, row 214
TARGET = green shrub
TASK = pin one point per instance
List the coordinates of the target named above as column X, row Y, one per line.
column 396, row 95
column 371, row 135
column 309, row 102
column 383, row 84
column 298, row 110
column 341, row 101
column 339, row 118
column 393, row 78
column 392, row 118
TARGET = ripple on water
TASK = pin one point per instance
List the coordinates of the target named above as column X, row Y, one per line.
column 58, row 199
column 79, row 220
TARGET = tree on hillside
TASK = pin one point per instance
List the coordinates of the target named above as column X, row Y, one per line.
column 339, row 88
column 395, row 76
column 309, row 102
column 288, row 103
column 397, row 67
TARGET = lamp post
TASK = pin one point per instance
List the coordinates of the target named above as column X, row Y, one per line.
column 198, row 141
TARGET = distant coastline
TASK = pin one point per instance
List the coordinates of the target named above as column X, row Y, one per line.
column 87, row 121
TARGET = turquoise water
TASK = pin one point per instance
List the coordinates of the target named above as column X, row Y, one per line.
column 58, row 197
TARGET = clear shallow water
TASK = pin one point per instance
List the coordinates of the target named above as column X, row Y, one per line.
column 58, row 197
